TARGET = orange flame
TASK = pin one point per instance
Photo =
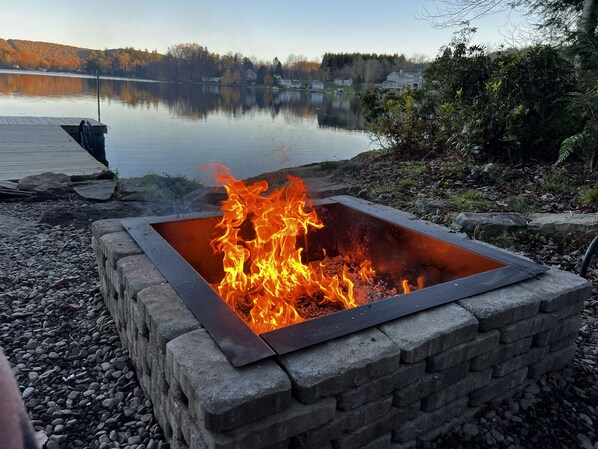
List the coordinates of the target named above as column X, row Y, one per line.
column 263, row 271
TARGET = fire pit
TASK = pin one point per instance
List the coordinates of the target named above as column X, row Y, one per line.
column 363, row 376
column 403, row 252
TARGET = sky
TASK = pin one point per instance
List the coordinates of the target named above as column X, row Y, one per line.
column 259, row 28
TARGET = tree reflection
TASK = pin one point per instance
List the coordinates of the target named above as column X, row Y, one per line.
column 194, row 101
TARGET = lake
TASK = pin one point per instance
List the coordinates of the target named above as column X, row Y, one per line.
column 172, row 129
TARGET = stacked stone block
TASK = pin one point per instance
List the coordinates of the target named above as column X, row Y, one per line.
column 384, row 387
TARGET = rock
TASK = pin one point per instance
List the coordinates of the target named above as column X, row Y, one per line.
column 322, row 187
column 97, row 191
column 471, row 430
column 583, row 226
column 584, row 441
column 490, row 224
column 204, row 198
column 47, row 182
column 9, row 185
column 28, row 392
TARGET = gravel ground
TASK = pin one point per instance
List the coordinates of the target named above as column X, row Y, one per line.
column 77, row 381
column 79, row 385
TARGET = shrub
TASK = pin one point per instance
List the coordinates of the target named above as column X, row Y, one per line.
column 404, row 121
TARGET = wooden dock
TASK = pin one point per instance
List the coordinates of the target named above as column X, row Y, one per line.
column 34, row 145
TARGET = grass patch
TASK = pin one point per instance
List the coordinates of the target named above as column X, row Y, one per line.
column 470, row 201
column 558, row 184
column 166, row 187
column 404, row 184
column 523, row 204
column 589, row 196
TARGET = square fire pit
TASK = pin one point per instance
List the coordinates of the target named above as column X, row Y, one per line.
column 485, row 324
column 398, row 247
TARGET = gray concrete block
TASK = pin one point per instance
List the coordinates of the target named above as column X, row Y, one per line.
column 103, row 227
column 191, row 433
column 531, row 357
column 564, row 342
column 467, row 416
column 364, row 435
column 496, row 386
column 426, row 422
column 563, row 357
column 430, row 383
column 223, row 396
column 344, row 421
column 382, row 442
column 164, row 314
column 552, row 362
column 567, row 311
column 481, row 344
column 503, row 306
column 138, row 272
column 430, row 331
column 100, row 258
column 471, row 382
column 296, row 419
column 404, row 375
column 331, row 367
column 501, row 353
column 558, row 289
column 524, row 328
column 565, row 327
column 117, row 245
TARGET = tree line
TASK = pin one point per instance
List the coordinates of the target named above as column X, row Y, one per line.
column 195, row 63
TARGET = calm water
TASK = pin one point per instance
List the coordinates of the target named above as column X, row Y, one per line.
column 173, row 129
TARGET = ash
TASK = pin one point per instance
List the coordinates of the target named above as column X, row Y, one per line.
column 365, row 292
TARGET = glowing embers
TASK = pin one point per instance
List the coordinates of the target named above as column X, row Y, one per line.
column 268, row 280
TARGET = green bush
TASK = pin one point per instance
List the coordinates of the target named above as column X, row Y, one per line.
column 404, row 121
column 520, row 112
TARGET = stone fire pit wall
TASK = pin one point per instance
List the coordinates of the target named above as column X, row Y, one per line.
column 384, row 387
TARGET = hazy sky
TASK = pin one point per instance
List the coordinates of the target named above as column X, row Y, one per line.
column 260, row 28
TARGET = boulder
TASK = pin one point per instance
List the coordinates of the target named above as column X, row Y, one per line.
column 47, row 182
column 490, row 224
column 583, row 226
column 204, row 198
column 97, row 191
column 324, row 187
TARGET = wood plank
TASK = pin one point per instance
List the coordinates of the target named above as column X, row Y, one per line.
column 66, row 122
column 34, row 149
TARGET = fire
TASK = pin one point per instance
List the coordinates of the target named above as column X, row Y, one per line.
column 263, row 272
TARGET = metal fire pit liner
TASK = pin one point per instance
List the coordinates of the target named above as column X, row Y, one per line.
column 242, row 346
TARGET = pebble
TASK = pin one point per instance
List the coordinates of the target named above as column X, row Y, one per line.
column 28, row 392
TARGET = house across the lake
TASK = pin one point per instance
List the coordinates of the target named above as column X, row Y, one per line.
column 250, row 77
column 404, row 79
column 317, row 85
column 343, row 81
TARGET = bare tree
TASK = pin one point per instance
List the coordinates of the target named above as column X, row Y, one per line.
column 455, row 13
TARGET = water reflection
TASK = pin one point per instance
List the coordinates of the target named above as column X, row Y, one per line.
column 195, row 102
column 175, row 128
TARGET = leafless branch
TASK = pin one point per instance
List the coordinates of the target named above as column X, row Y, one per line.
column 455, row 13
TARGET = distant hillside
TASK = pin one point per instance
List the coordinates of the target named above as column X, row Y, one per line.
column 41, row 55
column 32, row 55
